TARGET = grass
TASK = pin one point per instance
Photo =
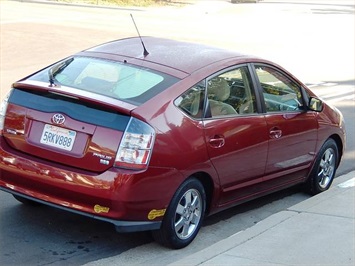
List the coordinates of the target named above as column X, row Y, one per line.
column 142, row 3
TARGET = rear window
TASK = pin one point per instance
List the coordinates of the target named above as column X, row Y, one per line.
column 118, row 80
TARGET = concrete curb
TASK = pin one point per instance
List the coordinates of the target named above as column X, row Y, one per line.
column 235, row 240
column 311, row 206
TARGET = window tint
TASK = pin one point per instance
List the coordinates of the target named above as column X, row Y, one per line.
column 114, row 79
column 280, row 92
column 192, row 101
column 231, row 93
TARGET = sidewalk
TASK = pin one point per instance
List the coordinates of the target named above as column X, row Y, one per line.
column 317, row 231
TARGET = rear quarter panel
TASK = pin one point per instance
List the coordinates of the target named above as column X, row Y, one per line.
column 179, row 140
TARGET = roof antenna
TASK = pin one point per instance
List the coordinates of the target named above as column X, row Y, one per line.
column 145, row 52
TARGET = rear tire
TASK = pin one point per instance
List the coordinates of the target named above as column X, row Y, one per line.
column 323, row 172
column 184, row 216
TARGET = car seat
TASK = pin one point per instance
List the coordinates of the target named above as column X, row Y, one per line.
column 218, row 92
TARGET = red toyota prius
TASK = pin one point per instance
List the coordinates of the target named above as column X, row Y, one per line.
column 158, row 138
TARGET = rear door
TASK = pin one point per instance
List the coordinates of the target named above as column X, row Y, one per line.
column 292, row 130
column 235, row 133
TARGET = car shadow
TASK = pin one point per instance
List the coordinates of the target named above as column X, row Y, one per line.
column 40, row 235
column 277, row 201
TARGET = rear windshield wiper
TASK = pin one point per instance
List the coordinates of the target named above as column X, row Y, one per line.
column 57, row 69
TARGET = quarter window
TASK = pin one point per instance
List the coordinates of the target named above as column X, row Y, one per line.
column 280, row 92
column 192, row 101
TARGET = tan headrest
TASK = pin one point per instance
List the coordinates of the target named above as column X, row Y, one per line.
column 218, row 89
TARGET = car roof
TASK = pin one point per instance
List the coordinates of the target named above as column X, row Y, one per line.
column 183, row 56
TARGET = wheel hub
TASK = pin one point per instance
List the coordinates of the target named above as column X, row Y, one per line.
column 188, row 211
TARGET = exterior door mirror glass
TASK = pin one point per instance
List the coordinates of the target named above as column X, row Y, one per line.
column 315, row 104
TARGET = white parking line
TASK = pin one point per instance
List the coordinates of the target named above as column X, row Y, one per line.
column 349, row 97
column 339, row 93
column 349, row 183
column 332, row 92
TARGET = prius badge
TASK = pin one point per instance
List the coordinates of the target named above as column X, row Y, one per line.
column 58, row 119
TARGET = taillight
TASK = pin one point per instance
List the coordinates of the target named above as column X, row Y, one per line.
column 3, row 108
column 136, row 145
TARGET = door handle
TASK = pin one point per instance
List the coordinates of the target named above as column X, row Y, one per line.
column 217, row 141
column 275, row 133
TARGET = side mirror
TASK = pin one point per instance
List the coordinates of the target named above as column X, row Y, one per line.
column 315, row 104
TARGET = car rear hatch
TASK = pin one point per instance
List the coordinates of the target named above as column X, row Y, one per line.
column 76, row 112
column 64, row 129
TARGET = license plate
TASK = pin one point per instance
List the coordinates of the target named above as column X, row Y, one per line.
column 58, row 137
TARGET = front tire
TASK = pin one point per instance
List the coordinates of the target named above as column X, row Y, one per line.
column 184, row 216
column 323, row 172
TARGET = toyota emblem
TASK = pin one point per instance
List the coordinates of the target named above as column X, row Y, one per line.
column 58, row 119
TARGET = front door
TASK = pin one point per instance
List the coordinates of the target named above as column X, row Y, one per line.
column 292, row 130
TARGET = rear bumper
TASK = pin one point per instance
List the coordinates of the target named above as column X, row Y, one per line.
column 131, row 200
column 121, row 226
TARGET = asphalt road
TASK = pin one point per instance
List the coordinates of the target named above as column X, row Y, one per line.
column 313, row 41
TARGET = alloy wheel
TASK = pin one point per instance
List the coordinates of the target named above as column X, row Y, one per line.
column 188, row 214
column 326, row 168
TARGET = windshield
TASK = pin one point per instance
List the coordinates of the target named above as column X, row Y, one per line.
column 114, row 79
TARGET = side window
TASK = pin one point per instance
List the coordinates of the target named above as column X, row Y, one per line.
column 280, row 92
column 231, row 93
column 192, row 101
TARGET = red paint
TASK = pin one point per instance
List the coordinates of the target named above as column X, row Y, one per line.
column 242, row 157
